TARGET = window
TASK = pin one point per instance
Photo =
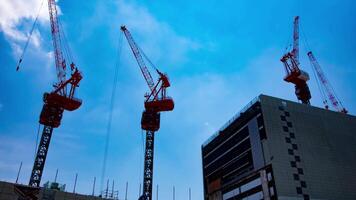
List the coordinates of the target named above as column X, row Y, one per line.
column 292, row 135
column 250, row 185
column 295, row 146
column 286, row 113
column 289, row 124
column 297, row 158
column 293, row 164
column 299, row 190
column 285, row 129
column 290, row 152
column 288, row 140
column 303, row 184
column 283, row 118
column 300, row 171
column 296, row 177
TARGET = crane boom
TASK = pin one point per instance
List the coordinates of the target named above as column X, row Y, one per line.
column 139, row 59
column 326, row 85
column 56, row 39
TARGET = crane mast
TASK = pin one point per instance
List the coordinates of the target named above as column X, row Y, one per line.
column 326, row 85
column 291, row 64
column 155, row 102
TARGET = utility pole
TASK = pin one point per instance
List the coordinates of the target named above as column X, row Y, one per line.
column 174, row 193
column 157, row 193
column 127, row 186
column 94, row 186
column 112, row 188
column 55, row 178
column 18, row 173
column 75, row 182
column 190, row 194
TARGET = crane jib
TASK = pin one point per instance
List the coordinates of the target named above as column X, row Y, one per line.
column 59, row 60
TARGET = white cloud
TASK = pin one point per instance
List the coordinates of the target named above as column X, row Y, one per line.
column 13, row 13
column 153, row 33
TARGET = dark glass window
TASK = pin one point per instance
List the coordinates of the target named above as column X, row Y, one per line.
column 303, row 184
column 295, row 146
column 292, row 135
column 285, row 129
column 293, row 164
column 297, row 158
column 289, row 124
column 283, row 118
column 290, row 152
column 299, row 190
column 263, row 134
column 288, row 140
column 286, row 113
column 300, row 171
column 296, row 177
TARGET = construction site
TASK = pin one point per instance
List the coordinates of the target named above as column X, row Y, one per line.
column 273, row 148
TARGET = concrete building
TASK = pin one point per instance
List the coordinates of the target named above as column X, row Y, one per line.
column 278, row 149
column 8, row 191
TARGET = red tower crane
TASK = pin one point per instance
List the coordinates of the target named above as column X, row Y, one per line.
column 155, row 102
column 294, row 74
column 60, row 99
column 326, row 86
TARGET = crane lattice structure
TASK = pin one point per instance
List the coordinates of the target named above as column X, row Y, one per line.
column 326, row 88
column 292, row 66
column 55, row 102
column 155, row 102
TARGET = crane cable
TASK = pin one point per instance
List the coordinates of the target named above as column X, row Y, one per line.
column 112, row 103
column 29, row 38
column 146, row 57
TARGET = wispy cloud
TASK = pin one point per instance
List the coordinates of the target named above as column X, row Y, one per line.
column 21, row 12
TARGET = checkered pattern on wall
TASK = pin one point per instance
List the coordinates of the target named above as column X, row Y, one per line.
column 295, row 157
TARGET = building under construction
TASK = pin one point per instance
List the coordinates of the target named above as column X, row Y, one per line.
column 278, row 149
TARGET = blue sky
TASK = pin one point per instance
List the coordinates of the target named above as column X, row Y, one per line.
column 219, row 55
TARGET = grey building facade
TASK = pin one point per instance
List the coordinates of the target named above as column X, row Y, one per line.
column 278, row 149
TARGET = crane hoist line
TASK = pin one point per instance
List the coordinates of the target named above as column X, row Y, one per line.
column 55, row 102
column 156, row 101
